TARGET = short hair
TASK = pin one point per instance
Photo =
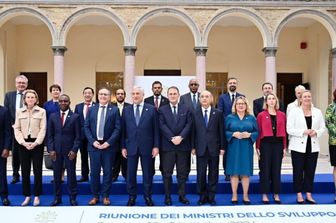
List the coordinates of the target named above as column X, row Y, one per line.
column 334, row 94
column 277, row 106
column 120, row 89
column 30, row 91
column 105, row 88
column 232, row 78
column 156, row 82
column 173, row 87
column 65, row 95
column 300, row 87
column 211, row 96
column 140, row 89
column 88, row 88
column 21, row 76
column 245, row 101
column 193, row 79
column 266, row 83
column 54, row 86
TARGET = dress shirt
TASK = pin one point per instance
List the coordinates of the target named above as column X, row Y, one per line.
column 159, row 100
column 172, row 108
column 65, row 115
column 120, row 107
column 140, row 108
column 85, row 108
column 203, row 112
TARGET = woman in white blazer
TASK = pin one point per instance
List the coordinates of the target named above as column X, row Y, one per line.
column 305, row 124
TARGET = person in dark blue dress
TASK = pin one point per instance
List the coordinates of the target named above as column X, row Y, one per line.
column 241, row 132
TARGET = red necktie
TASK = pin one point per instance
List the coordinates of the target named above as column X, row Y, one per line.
column 62, row 118
column 156, row 102
column 87, row 109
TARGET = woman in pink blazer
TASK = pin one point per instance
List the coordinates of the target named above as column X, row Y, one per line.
column 271, row 145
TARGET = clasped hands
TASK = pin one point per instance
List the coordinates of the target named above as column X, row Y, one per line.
column 29, row 145
column 241, row 135
column 176, row 140
column 97, row 145
column 310, row 132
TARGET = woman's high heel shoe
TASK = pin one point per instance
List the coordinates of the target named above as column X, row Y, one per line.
column 26, row 201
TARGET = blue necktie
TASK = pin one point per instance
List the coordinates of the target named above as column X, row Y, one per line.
column 137, row 115
column 194, row 101
column 206, row 118
column 101, row 123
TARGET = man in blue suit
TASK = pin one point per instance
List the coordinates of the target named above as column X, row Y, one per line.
column 140, row 139
column 208, row 144
column 175, row 125
column 82, row 110
column 63, row 143
column 5, row 143
column 13, row 101
column 102, row 129
column 191, row 98
column 225, row 103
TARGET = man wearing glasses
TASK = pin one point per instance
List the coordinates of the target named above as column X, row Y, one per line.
column 191, row 99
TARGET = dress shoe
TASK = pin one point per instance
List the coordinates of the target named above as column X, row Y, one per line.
column 94, row 201
column 131, row 201
column 26, row 201
column 114, row 178
column 277, row 201
column 212, row 202
column 203, row 200
column 73, row 202
column 56, row 202
column 168, row 200
column 52, row 181
column 234, row 202
column 149, row 201
column 15, row 180
column 36, row 201
column 265, row 201
column 5, row 202
column 246, row 202
column 83, row 179
column 106, row 201
column 184, row 200
column 300, row 202
column 227, row 177
column 310, row 201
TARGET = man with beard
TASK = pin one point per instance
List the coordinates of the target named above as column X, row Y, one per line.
column 120, row 162
column 191, row 99
column 225, row 103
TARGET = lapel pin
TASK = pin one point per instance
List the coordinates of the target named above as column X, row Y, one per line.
column 146, row 109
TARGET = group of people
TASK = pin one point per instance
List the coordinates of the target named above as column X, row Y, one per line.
column 116, row 136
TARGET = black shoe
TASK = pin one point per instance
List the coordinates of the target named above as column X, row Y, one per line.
column 149, row 201
column 203, row 200
column 56, row 202
column 184, row 200
column 83, row 179
column 234, row 202
column 15, row 180
column 265, row 201
column 73, row 202
column 246, row 202
column 5, row 202
column 300, row 202
column 227, row 177
column 310, row 201
column 131, row 201
column 212, row 202
column 168, row 200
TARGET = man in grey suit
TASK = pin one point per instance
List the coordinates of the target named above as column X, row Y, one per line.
column 191, row 99
column 13, row 101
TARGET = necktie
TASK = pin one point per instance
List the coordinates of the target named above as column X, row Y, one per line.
column 194, row 101
column 62, row 118
column 101, row 123
column 233, row 98
column 86, row 109
column 156, row 102
column 21, row 102
column 206, row 118
column 137, row 115
column 175, row 113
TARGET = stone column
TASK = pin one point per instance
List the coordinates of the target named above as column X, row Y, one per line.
column 333, row 70
column 201, row 66
column 270, row 74
column 59, row 64
column 129, row 72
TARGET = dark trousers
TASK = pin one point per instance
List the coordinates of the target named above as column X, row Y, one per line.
column 101, row 158
column 84, row 159
column 147, row 174
column 211, row 163
column 271, row 155
column 120, row 163
column 3, row 178
column 70, row 166
column 16, row 158
column 182, row 161
column 304, row 165
column 27, row 157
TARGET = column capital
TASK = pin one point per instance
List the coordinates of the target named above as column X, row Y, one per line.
column 59, row 50
column 130, row 50
column 270, row 51
column 201, row 51
column 333, row 52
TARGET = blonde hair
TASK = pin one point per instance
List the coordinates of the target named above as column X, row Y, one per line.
column 244, row 99
column 277, row 106
column 30, row 91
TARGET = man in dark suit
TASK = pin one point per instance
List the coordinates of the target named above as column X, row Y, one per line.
column 5, row 143
column 120, row 163
column 175, row 126
column 102, row 129
column 13, row 101
column 140, row 139
column 191, row 99
column 82, row 110
column 225, row 102
column 208, row 144
column 258, row 103
column 64, row 133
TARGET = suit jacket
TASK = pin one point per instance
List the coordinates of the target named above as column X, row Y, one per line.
column 66, row 138
column 125, row 105
column 186, row 99
column 170, row 128
column 258, row 105
column 225, row 104
column 79, row 110
column 296, row 125
column 144, row 137
column 5, row 129
column 10, row 104
column 210, row 137
column 112, row 126
column 163, row 101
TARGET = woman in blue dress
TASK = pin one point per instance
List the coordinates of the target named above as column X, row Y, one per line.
column 241, row 132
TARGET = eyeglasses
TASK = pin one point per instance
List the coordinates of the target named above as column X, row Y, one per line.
column 193, row 84
column 103, row 94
